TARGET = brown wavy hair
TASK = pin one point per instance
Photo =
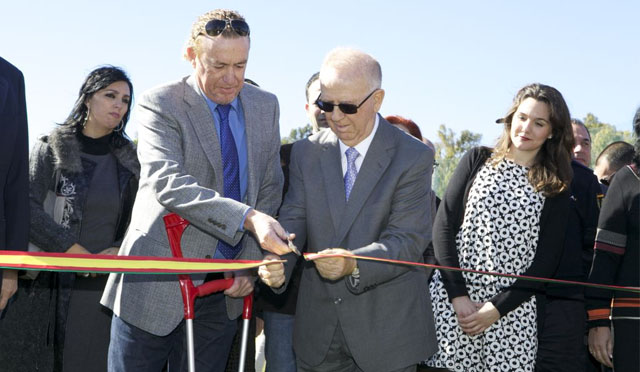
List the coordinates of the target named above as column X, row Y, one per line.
column 551, row 171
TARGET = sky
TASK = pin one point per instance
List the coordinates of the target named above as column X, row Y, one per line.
column 457, row 63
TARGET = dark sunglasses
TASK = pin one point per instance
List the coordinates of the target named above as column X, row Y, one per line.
column 606, row 180
column 346, row 108
column 216, row 26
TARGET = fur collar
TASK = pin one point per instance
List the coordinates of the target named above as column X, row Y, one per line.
column 65, row 148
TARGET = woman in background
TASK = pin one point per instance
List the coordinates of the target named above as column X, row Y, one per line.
column 505, row 210
column 83, row 180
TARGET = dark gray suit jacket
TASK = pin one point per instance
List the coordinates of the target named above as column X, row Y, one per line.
column 387, row 319
column 181, row 171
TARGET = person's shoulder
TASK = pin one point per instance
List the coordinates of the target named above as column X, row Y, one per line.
column 9, row 71
column 627, row 173
column 253, row 92
column 168, row 89
column 321, row 137
column 580, row 169
column 315, row 142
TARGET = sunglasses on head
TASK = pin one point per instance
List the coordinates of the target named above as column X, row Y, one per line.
column 216, row 26
column 346, row 108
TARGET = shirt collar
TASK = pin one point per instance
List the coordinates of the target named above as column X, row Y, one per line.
column 212, row 105
column 363, row 146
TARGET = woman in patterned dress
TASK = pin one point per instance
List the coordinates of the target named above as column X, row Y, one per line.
column 505, row 211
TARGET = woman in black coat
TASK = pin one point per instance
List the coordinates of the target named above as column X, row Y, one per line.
column 83, row 179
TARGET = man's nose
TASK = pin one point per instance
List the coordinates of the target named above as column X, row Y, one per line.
column 229, row 77
column 336, row 114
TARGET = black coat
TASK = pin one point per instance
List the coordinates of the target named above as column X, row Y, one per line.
column 14, row 160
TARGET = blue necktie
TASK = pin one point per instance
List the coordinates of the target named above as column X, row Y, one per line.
column 231, row 171
column 352, row 172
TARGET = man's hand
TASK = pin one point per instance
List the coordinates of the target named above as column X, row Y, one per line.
column 242, row 283
column 334, row 268
column 273, row 274
column 268, row 232
column 479, row 321
column 9, row 286
column 77, row 249
column 601, row 345
column 110, row 251
column 463, row 306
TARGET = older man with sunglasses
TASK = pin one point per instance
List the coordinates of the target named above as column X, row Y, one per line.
column 360, row 188
column 208, row 148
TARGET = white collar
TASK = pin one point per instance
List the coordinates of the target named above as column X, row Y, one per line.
column 363, row 146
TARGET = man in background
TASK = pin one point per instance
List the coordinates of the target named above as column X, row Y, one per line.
column 14, row 172
column 615, row 156
column 582, row 147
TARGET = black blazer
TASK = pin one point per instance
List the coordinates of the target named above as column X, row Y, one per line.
column 14, row 160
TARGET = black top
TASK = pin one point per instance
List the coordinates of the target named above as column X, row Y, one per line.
column 102, row 205
column 553, row 221
column 577, row 253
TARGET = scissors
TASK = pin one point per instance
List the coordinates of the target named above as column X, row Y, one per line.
column 292, row 246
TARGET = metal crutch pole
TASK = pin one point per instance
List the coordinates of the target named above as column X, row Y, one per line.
column 175, row 226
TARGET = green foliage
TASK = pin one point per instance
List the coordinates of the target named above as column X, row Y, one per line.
column 298, row 134
column 602, row 134
column 449, row 150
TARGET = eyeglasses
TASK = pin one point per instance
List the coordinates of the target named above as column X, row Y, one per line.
column 606, row 180
column 346, row 108
column 216, row 26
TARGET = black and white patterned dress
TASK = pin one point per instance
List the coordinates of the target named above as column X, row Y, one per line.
column 499, row 233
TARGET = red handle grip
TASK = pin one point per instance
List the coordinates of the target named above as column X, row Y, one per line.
column 213, row 286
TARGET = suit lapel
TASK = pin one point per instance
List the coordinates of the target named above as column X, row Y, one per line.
column 375, row 163
column 331, row 166
column 251, row 124
column 203, row 124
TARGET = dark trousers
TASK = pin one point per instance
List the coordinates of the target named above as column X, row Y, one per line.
column 626, row 345
column 132, row 349
column 561, row 345
column 339, row 358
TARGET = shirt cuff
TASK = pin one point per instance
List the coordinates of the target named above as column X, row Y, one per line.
column 241, row 227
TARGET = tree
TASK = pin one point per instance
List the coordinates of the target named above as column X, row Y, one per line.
column 298, row 134
column 449, row 150
column 602, row 134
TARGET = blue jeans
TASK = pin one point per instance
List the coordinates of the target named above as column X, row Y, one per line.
column 133, row 349
column 278, row 348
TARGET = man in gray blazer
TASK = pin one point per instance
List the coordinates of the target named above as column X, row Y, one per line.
column 209, row 151
column 363, row 186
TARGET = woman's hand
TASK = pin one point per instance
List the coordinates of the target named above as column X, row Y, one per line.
column 477, row 322
column 601, row 345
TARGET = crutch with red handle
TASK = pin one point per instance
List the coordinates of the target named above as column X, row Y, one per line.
column 175, row 226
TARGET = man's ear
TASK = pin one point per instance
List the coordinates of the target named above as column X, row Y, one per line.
column 191, row 55
column 378, row 97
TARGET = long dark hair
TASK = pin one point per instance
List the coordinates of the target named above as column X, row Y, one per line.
column 98, row 79
column 551, row 170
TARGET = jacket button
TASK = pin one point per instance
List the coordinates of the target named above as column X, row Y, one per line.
column 337, row 301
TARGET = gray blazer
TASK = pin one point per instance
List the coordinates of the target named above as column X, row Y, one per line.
column 181, row 171
column 386, row 319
